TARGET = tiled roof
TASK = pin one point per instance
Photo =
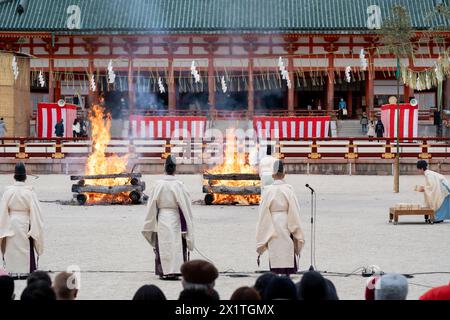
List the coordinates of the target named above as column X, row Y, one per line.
column 208, row 16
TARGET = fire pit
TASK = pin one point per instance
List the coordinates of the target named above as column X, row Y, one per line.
column 234, row 181
column 233, row 188
column 124, row 188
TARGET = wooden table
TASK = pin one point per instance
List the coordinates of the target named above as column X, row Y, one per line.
column 428, row 213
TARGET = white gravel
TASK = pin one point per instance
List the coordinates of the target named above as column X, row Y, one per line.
column 352, row 231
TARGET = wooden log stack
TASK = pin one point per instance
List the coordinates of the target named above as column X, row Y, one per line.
column 212, row 188
column 134, row 188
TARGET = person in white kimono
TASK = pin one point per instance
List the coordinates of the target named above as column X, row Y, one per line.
column 278, row 230
column 436, row 192
column 169, row 224
column 21, row 226
column 266, row 166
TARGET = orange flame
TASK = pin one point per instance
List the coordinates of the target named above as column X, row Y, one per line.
column 99, row 163
column 234, row 163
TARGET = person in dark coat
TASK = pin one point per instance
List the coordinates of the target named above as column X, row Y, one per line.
column 59, row 128
column 379, row 129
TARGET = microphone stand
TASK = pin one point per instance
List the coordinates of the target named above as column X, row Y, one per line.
column 311, row 267
column 313, row 232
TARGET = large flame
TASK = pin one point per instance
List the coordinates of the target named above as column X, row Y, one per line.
column 235, row 162
column 99, row 163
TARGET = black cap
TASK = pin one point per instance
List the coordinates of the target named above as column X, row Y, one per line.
column 20, row 172
column 170, row 165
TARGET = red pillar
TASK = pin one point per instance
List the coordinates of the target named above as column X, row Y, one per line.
column 171, row 87
column 211, row 82
column 131, row 93
column 370, row 84
column 350, row 103
column 251, row 91
column 291, row 90
column 51, row 80
column 330, row 84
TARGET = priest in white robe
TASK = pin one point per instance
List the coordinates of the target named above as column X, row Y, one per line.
column 266, row 165
column 436, row 192
column 278, row 230
column 21, row 226
column 169, row 224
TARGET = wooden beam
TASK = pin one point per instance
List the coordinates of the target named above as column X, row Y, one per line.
column 107, row 176
column 232, row 176
column 106, row 189
column 242, row 191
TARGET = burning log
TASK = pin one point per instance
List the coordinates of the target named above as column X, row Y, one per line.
column 242, row 191
column 107, row 176
column 106, row 189
column 232, row 176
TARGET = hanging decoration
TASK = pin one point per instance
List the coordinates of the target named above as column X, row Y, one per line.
column 224, row 84
column 93, row 85
column 363, row 60
column 15, row 68
column 428, row 78
column 194, row 72
column 348, row 76
column 161, row 86
column 41, row 79
column 111, row 74
column 284, row 72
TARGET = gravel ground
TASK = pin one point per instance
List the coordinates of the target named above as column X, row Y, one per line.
column 352, row 231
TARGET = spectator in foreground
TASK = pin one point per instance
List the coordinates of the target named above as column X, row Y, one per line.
column 438, row 293
column 391, row 286
column 262, row 282
column 6, row 286
column 314, row 287
column 370, row 288
column 199, row 275
column 245, row 293
column 39, row 276
column 280, row 288
column 198, row 295
column 65, row 286
column 38, row 291
column 149, row 292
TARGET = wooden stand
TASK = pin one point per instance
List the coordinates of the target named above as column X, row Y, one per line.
column 394, row 213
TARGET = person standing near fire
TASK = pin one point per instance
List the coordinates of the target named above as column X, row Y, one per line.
column 278, row 230
column 21, row 226
column 436, row 192
column 168, row 225
column 266, row 165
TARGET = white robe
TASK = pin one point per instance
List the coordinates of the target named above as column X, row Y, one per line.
column 20, row 219
column 435, row 191
column 278, row 220
column 266, row 170
column 162, row 227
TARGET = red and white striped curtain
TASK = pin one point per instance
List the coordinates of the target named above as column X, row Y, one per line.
column 49, row 114
column 166, row 127
column 408, row 121
column 292, row 127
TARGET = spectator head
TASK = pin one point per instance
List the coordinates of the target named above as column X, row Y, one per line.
column 370, row 288
column 65, row 287
column 38, row 291
column 422, row 166
column 263, row 281
column 280, row 288
column 170, row 165
column 245, row 293
column 198, row 274
column 391, row 286
column 149, row 292
column 39, row 276
column 6, row 287
column 20, row 172
column 199, row 295
column 314, row 287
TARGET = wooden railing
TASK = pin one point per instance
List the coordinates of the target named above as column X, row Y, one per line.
column 198, row 150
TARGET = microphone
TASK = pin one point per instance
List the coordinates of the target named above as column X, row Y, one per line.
column 307, row 185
